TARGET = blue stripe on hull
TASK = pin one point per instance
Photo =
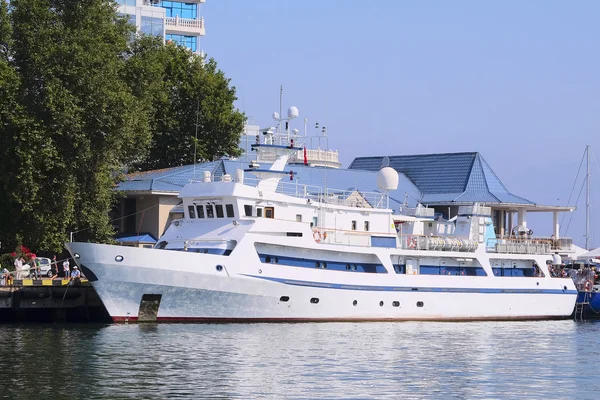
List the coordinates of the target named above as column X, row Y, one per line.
column 412, row 288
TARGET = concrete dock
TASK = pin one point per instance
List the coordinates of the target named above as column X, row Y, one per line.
column 50, row 300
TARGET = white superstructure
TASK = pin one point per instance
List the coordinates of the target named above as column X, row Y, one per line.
column 260, row 246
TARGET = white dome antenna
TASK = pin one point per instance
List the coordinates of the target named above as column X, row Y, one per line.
column 276, row 116
column 387, row 179
column 292, row 112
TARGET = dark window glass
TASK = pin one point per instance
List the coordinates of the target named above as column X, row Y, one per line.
column 259, row 212
column 210, row 213
column 314, row 300
column 396, row 303
column 200, row 209
column 353, row 225
column 366, row 226
column 219, row 208
column 269, row 212
column 192, row 211
column 248, row 210
column 229, row 209
column 284, row 298
column 419, row 304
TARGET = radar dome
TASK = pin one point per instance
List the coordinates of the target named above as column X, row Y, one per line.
column 292, row 112
column 387, row 179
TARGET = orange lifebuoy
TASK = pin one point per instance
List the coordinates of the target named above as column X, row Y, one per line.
column 317, row 236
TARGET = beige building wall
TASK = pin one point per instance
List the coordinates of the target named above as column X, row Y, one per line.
column 153, row 218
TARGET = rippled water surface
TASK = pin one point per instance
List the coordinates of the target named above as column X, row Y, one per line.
column 540, row 360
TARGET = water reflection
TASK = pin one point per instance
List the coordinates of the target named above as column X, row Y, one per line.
column 547, row 359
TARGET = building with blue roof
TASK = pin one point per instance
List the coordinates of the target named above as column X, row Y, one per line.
column 443, row 182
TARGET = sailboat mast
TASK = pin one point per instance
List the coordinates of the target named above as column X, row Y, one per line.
column 587, row 201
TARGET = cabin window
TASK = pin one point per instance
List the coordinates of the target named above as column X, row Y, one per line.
column 248, row 210
column 219, row 208
column 229, row 209
column 269, row 212
column 200, row 210
column 210, row 213
column 298, row 217
column 366, row 226
column 192, row 211
column 258, row 212
column 314, row 222
column 353, row 225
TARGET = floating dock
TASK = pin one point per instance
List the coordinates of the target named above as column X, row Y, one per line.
column 50, row 300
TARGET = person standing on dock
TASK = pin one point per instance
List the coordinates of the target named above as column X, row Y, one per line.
column 18, row 267
column 66, row 268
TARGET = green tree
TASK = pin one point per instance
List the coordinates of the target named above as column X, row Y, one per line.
column 188, row 98
column 77, row 120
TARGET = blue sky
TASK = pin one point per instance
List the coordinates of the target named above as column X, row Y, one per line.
column 517, row 81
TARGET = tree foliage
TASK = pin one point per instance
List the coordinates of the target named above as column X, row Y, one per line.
column 79, row 100
column 189, row 99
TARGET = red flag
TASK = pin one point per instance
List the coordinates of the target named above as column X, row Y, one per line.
column 305, row 157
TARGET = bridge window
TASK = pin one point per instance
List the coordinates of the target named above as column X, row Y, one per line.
column 258, row 212
column 269, row 212
column 366, row 226
column 200, row 209
column 229, row 209
column 210, row 213
column 353, row 225
column 248, row 210
column 219, row 208
column 192, row 211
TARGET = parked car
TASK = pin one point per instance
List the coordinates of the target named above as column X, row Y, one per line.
column 45, row 268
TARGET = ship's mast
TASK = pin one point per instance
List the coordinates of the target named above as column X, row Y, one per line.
column 587, row 201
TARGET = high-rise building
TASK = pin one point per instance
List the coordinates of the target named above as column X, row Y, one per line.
column 176, row 21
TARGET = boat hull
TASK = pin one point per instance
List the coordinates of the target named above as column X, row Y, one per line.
column 192, row 287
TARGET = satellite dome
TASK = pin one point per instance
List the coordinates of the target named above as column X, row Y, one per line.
column 292, row 112
column 387, row 179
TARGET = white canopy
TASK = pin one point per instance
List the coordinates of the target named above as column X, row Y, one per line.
column 591, row 255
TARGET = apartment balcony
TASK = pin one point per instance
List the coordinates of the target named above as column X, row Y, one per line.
column 185, row 26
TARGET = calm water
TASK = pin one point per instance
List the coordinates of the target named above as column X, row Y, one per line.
column 540, row 360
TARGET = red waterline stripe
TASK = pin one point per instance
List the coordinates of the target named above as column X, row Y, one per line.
column 296, row 320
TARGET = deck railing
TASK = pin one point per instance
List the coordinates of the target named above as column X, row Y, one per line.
column 528, row 245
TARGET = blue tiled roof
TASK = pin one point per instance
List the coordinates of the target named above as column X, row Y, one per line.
column 141, row 238
column 448, row 177
column 168, row 179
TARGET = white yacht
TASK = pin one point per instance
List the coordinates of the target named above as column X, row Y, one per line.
column 259, row 246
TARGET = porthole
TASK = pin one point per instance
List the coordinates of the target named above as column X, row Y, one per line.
column 219, row 268
column 353, row 267
column 314, row 300
column 275, row 260
column 318, row 264
column 268, row 259
column 419, row 304
column 396, row 303
column 347, row 267
column 119, row 258
column 284, row 298
column 381, row 304
column 354, row 302
column 324, row 265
